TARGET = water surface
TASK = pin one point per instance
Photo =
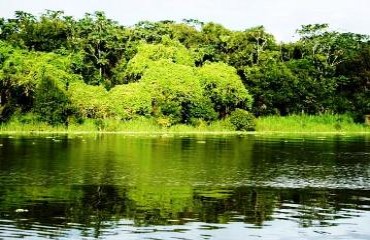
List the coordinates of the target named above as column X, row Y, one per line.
column 184, row 187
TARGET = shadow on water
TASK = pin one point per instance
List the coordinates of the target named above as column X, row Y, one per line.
column 120, row 185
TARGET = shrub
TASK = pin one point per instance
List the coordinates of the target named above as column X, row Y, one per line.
column 224, row 87
column 201, row 108
column 51, row 101
column 130, row 100
column 89, row 101
column 175, row 90
column 242, row 120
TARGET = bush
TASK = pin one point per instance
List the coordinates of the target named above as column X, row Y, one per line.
column 175, row 90
column 242, row 120
column 51, row 102
column 201, row 108
column 130, row 100
column 224, row 87
column 90, row 101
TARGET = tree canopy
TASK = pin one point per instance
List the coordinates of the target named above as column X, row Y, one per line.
column 56, row 68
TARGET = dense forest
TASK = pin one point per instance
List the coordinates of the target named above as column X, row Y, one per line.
column 58, row 69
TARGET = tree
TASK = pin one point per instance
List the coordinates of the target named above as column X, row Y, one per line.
column 213, row 43
column 24, row 76
column 147, row 54
column 175, row 89
column 51, row 106
column 250, row 47
column 20, row 29
column 353, row 91
column 90, row 101
column 102, row 42
column 50, row 33
column 130, row 100
column 224, row 87
column 273, row 87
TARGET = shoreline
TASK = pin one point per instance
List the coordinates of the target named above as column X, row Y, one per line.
column 269, row 125
column 168, row 133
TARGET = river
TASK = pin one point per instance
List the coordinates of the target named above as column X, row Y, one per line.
column 112, row 186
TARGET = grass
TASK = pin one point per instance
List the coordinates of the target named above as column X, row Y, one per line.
column 141, row 125
column 269, row 124
column 310, row 124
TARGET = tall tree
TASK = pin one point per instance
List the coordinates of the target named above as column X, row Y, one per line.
column 102, row 42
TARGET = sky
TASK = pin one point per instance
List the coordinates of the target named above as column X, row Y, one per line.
column 280, row 17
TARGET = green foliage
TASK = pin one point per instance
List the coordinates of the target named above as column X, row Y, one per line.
column 26, row 78
column 101, row 41
column 202, row 109
column 273, row 87
column 224, row 87
column 250, row 47
column 151, row 32
column 310, row 124
column 147, row 54
column 19, row 76
column 186, row 34
column 130, row 101
column 213, row 43
column 190, row 72
column 242, row 120
column 51, row 101
column 119, row 72
column 353, row 85
column 175, row 90
column 5, row 51
column 90, row 101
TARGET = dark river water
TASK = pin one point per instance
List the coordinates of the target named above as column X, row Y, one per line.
column 184, row 187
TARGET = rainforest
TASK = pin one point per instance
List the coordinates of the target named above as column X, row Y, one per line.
column 63, row 72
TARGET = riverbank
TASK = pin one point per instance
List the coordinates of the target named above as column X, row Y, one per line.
column 305, row 124
column 310, row 124
column 115, row 126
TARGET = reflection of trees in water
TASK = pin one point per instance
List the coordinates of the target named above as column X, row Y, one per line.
column 98, row 207
column 151, row 181
column 283, row 160
column 99, row 204
column 254, row 205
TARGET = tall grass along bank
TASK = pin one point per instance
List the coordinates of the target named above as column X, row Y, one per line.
column 269, row 124
column 310, row 124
